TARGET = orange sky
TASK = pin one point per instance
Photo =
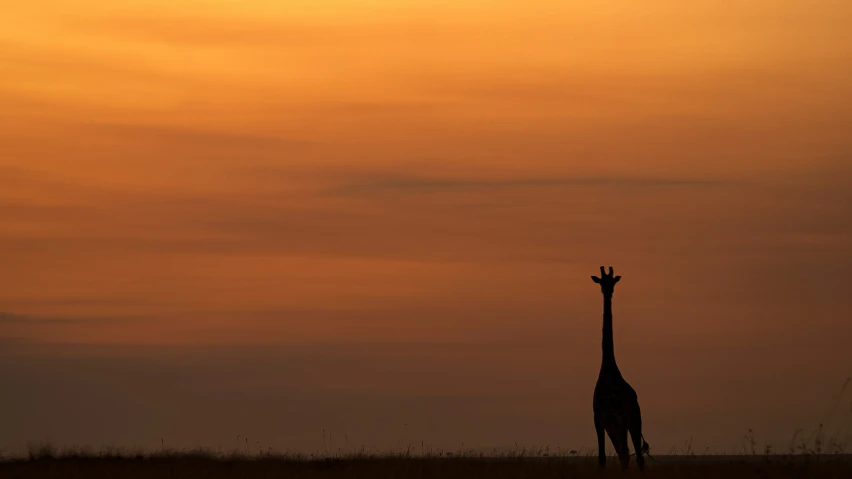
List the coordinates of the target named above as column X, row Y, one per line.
column 389, row 212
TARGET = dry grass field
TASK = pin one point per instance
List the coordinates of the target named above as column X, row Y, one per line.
column 212, row 466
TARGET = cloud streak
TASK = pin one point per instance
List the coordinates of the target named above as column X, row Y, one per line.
column 423, row 184
column 10, row 318
column 32, row 320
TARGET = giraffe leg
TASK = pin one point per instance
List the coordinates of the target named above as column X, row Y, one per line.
column 636, row 436
column 601, row 442
column 624, row 452
column 618, row 436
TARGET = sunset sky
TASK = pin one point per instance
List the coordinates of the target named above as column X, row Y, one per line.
column 378, row 218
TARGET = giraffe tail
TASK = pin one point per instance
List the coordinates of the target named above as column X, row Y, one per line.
column 646, row 448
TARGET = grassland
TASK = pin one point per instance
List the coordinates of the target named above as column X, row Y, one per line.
column 812, row 454
column 190, row 465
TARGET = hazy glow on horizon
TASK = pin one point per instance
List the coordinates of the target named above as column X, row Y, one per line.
column 392, row 208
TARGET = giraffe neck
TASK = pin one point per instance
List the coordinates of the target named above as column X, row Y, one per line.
column 608, row 361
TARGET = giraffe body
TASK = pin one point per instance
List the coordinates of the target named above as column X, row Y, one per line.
column 615, row 404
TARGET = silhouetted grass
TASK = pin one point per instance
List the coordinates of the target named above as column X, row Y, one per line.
column 811, row 454
column 47, row 461
column 205, row 464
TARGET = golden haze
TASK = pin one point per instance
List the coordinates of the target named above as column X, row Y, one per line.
column 389, row 210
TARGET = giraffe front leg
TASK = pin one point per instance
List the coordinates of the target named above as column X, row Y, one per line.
column 601, row 442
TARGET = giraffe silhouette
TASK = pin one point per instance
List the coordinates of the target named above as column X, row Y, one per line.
column 615, row 403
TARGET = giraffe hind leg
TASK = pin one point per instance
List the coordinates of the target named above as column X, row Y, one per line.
column 618, row 436
column 638, row 443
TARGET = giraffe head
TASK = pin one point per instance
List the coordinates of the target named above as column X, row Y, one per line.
column 607, row 281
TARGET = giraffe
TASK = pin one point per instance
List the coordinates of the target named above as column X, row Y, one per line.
column 615, row 403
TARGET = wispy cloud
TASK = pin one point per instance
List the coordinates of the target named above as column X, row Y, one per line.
column 10, row 318
column 424, row 184
column 198, row 138
column 24, row 319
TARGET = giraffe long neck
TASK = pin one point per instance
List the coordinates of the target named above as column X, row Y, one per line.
column 607, row 346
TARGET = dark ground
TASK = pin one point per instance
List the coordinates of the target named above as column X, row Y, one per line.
column 200, row 466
